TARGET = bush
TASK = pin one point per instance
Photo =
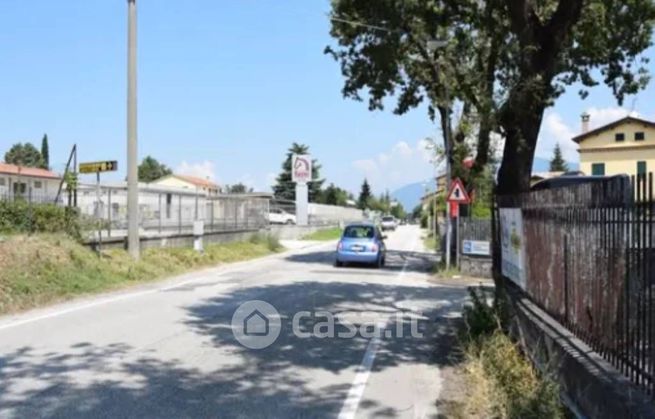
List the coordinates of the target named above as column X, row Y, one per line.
column 503, row 382
column 271, row 241
column 22, row 217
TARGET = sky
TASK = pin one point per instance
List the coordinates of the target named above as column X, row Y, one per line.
column 225, row 87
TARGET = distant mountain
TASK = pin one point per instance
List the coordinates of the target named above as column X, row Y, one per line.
column 410, row 195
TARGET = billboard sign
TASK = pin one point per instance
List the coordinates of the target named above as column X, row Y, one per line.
column 513, row 246
column 301, row 168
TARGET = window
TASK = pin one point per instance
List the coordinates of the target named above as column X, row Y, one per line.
column 641, row 168
column 2, row 181
column 598, row 169
column 640, row 136
column 619, row 136
column 38, row 184
column 359, row 232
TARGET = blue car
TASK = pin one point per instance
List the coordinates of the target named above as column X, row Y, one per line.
column 361, row 243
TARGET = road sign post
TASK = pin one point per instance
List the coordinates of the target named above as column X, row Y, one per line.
column 456, row 195
column 301, row 174
column 97, row 168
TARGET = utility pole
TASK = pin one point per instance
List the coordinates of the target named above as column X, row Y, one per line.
column 132, row 172
column 449, row 157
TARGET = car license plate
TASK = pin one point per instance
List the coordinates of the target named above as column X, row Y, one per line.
column 356, row 248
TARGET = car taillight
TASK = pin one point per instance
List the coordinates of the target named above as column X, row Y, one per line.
column 374, row 248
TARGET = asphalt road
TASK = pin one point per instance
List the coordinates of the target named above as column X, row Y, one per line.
column 168, row 349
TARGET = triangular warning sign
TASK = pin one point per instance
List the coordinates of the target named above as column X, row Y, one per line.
column 457, row 192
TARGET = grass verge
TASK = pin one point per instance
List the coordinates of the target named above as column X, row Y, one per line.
column 42, row 269
column 501, row 381
column 430, row 242
column 324, row 235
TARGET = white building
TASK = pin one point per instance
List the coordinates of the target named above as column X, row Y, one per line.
column 28, row 182
column 192, row 183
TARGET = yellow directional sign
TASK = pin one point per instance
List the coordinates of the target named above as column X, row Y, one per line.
column 99, row 166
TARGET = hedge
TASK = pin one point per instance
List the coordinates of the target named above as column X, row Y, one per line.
column 22, row 217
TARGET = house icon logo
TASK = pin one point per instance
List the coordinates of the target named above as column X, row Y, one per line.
column 256, row 324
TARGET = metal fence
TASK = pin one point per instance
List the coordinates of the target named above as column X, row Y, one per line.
column 589, row 262
column 474, row 229
column 168, row 212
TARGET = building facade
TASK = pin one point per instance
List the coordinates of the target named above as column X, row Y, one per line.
column 625, row 146
column 196, row 184
column 28, row 183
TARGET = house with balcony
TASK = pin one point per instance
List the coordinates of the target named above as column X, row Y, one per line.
column 625, row 146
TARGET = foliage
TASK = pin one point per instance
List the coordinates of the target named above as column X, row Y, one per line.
column 365, row 196
column 40, row 269
column 271, row 241
column 285, row 188
column 505, row 61
column 557, row 163
column 45, row 152
column 20, row 216
column 24, row 155
column 333, row 195
column 238, row 188
column 324, row 235
column 398, row 211
column 502, row 382
column 150, row 170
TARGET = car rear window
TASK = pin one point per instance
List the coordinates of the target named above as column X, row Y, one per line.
column 359, row 232
column 387, row 218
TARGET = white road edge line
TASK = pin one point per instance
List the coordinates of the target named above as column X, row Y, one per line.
column 351, row 404
column 135, row 294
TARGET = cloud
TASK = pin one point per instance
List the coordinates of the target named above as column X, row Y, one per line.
column 204, row 169
column 396, row 167
column 603, row 116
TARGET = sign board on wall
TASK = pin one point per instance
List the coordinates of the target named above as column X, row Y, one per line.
column 513, row 246
column 476, row 247
column 301, row 168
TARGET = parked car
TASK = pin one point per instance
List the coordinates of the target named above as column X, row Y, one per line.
column 388, row 223
column 361, row 243
column 280, row 216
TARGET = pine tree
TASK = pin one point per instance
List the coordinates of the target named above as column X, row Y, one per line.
column 364, row 196
column 285, row 188
column 558, row 164
column 45, row 152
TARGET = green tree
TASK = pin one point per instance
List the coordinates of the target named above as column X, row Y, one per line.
column 506, row 61
column 45, row 152
column 557, row 163
column 238, row 188
column 365, row 196
column 150, row 170
column 333, row 195
column 286, row 189
column 398, row 211
column 24, row 155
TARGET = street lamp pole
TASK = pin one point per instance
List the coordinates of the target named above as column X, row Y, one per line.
column 132, row 172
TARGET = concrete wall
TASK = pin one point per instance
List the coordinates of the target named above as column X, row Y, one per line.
column 294, row 232
column 476, row 266
column 319, row 213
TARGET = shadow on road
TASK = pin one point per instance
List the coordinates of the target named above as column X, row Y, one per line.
column 118, row 380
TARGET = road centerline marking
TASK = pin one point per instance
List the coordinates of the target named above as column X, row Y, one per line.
column 356, row 392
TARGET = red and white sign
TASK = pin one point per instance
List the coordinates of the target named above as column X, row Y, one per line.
column 457, row 193
column 301, row 168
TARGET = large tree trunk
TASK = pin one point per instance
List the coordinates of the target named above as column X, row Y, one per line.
column 521, row 120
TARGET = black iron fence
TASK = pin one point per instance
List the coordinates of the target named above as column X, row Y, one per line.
column 586, row 255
